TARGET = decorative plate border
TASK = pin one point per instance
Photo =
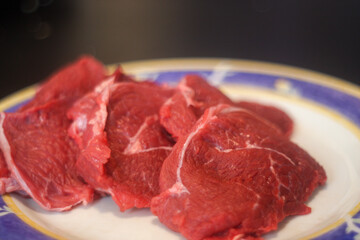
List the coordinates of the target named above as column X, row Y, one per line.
column 330, row 92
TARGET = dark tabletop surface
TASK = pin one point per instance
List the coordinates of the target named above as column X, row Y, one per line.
column 38, row 36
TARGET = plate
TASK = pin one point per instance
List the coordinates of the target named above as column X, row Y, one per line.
column 326, row 112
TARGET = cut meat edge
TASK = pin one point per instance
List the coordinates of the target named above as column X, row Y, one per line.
column 83, row 192
column 178, row 188
column 8, row 185
column 273, row 114
column 5, row 147
column 201, row 123
column 88, row 129
column 225, row 108
column 84, row 72
column 142, row 149
column 51, row 88
column 181, row 111
column 126, row 200
column 7, row 182
column 96, row 147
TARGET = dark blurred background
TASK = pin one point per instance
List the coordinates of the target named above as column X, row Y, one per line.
column 38, row 36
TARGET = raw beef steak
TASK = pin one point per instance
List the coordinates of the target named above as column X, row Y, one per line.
column 194, row 95
column 69, row 83
column 180, row 112
column 42, row 157
column 36, row 147
column 123, row 145
column 234, row 175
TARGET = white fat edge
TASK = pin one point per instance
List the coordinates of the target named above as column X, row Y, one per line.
column 188, row 94
column 231, row 109
column 156, row 148
column 5, row 147
column 219, row 74
column 100, row 87
column 98, row 122
column 168, row 102
column 134, row 145
column 68, row 207
column 103, row 95
column 80, row 123
column 9, row 184
column 240, row 236
column 179, row 187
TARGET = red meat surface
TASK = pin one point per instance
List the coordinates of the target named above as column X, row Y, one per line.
column 194, row 95
column 42, row 157
column 7, row 183
column 123, row 145
column 273, row 114
column 69, row 83
column 234, row 175
column 37, row 150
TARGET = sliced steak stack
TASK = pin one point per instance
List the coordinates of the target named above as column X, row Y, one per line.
column 123, row 145
column 38, row 151
column 234, row 175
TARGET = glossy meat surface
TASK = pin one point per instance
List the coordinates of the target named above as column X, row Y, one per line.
column 234, row 174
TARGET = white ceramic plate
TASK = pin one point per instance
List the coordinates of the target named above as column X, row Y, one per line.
column 326, row 112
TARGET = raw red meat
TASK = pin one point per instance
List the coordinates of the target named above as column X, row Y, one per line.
column 273, row 114
column 38, row 152
column 69, row 83
column 123, row 145
column 194, row 95
column 42, row 157
column 234, row 175
column 7, row 183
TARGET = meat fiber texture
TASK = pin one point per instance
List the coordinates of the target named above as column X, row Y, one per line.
column 7, row 182
column 234, row 175
column 122, row 142
column 270, row 113
column 233, row 172
column 194, row 95
column 38, row 152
